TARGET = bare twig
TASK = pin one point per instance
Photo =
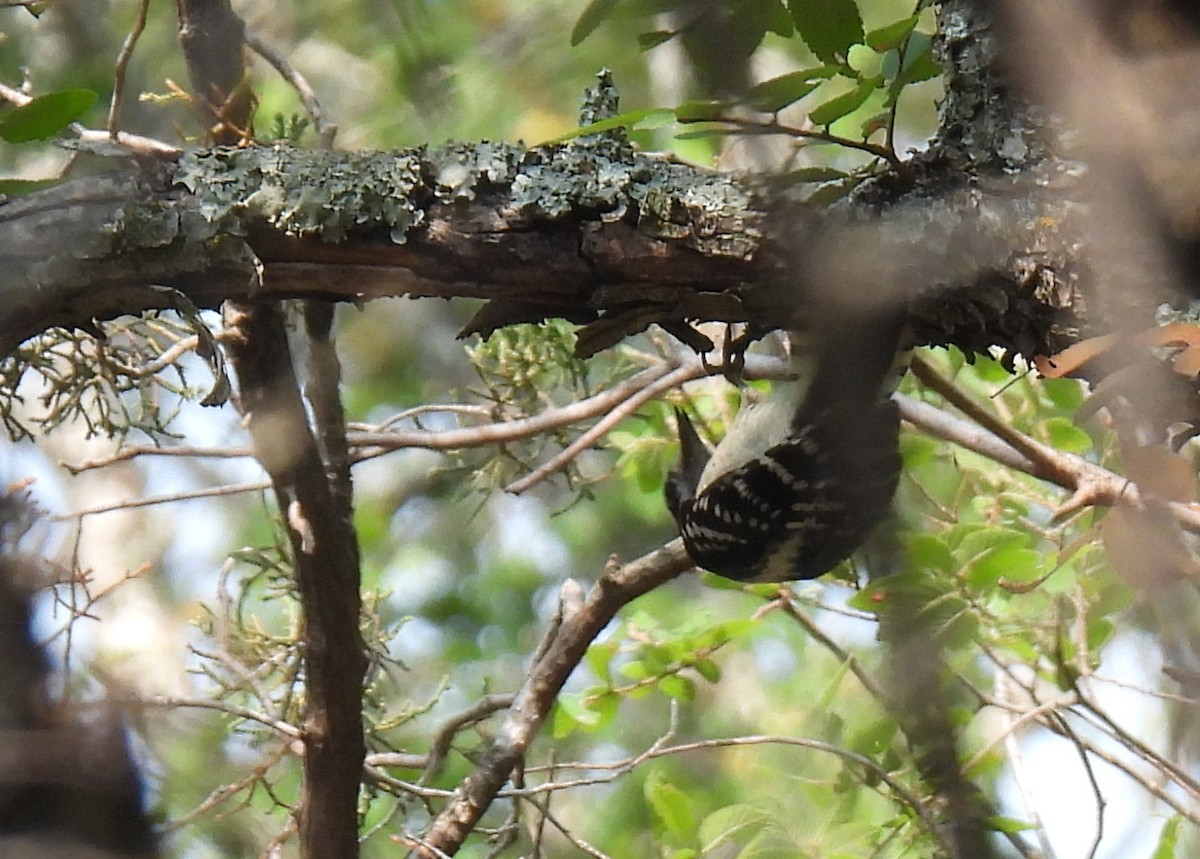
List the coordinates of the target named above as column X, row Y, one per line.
column 326, row 130
column 121, row 66
column 773, row 126
column 1148, row 782
column 135, row 451
column 168, row 702
column 169, row 498
column 439, row 747
column 225, row 792
column 792, row 610
column 1101, row 803
column 1016, row 762
column 619, row 412
column 662, row 747
column 518, row 428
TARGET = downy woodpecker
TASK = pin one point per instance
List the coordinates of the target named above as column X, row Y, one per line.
column 800, row 480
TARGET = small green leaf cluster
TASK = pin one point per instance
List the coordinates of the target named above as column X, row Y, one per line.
column 991, row 568
column 740, row 830
column 41, row 119
column 854, row 67
column 647, row 447
column 520, row 365
column 644, row 656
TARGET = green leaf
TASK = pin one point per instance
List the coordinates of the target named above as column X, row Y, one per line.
column 919, row 64
column 575, row 713
column 672, row 806
column 562, row 723
column 929, row 552
column 701, row 133
column 701, row 110
column 652, row 117
column 846, row 103
column 736, row 823
column 874, row 738
column 591, row 18
column 775, row 94
column 1167, row 840
column 1064, row 435
column 654, row 38
column 1010, row 824
column 1066, row 394
column 892, row 35
column 779, row 20
column 865, row 62
column 599, row 658
column 977, row 540
column 657, row 657
column 813, row 174
column 635, row 670
column 1099, row 631
column 917, row 450
column 679, row 688
column 45, row 116
column 829, row 692
column 709, row 670
column 1010, row 562
column 828, row 27
column 872, row 598
column 17, row 187
column 712, row 580
column 831, row 192
column 878, row 122
column 604, row 705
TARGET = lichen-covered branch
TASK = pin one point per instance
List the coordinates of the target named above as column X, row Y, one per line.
column 590, row 230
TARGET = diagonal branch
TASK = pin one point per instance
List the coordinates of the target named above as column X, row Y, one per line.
column 563, row 648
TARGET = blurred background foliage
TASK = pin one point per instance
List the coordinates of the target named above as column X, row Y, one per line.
column 461, row 578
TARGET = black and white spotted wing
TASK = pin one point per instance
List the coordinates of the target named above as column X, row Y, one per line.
column 803, row 506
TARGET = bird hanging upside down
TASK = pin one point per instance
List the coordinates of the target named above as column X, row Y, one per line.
column 802, row 479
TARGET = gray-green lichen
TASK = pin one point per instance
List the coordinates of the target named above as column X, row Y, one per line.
column 330, row 194
column 302, row 192
column 603, row 173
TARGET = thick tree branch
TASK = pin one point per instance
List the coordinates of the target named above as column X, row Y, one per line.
column 325, row 554
column 591, row 231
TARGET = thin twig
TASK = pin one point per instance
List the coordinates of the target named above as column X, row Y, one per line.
column 1016, row 762
column 439, row 746
column 789, row 607
column 619, row 412
column 773, row 126
column 325, row 130
column 1090, row 483
column 169, row 498
column 121, row 66
column 169, row 702
column 1101, row 803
